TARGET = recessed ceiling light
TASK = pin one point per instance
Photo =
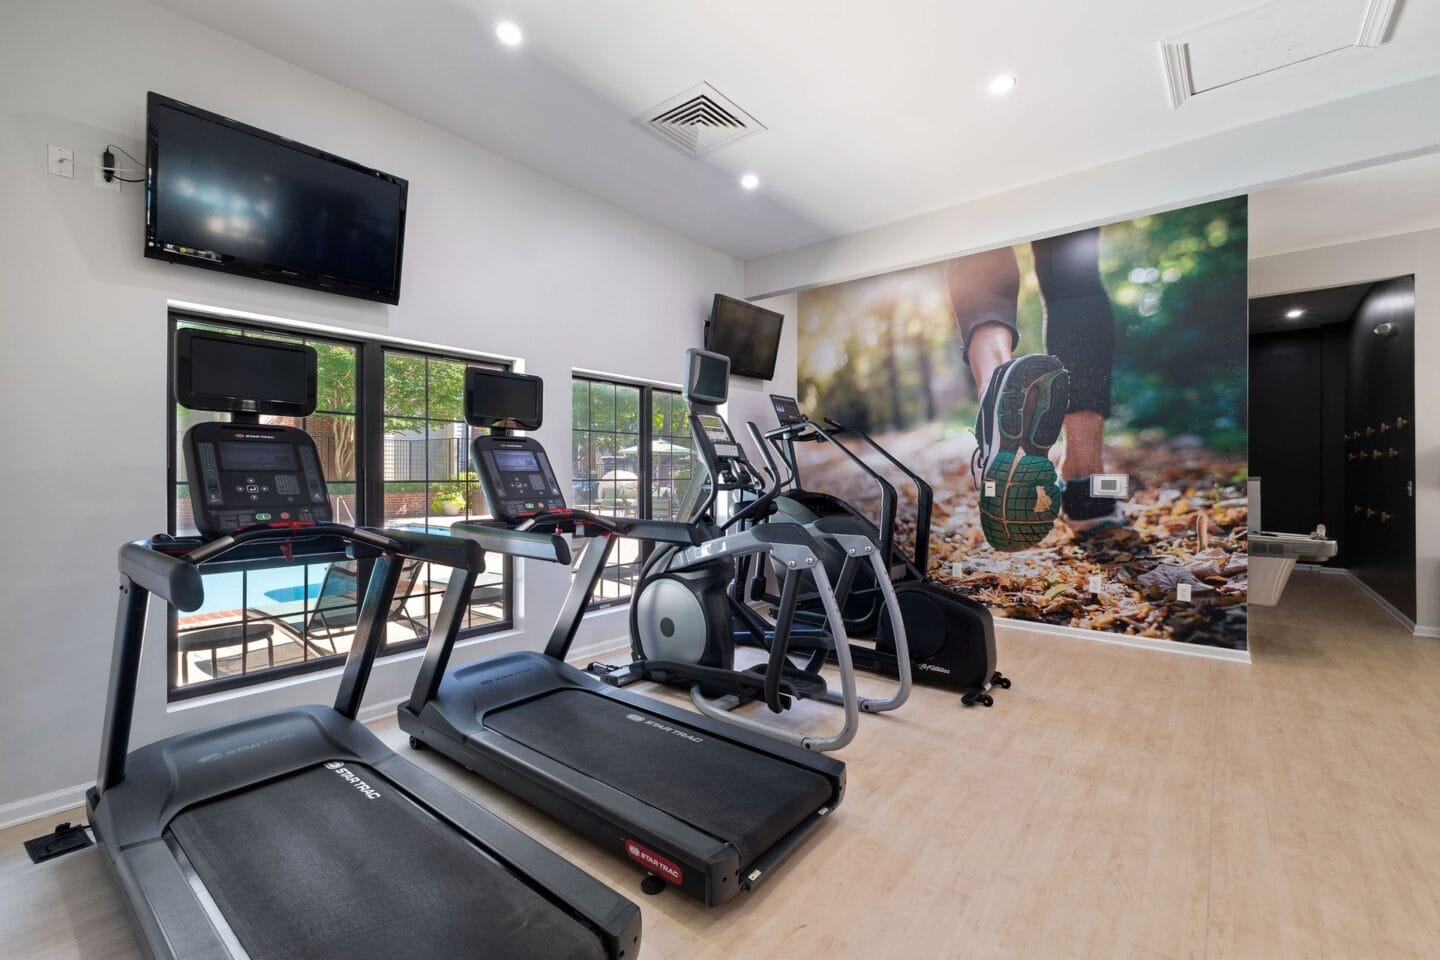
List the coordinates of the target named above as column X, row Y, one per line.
column 750, row 181
column 1002, row 85
column 509, row 34
column 1295, row 314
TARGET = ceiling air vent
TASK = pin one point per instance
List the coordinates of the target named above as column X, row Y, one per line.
column 1270, row 37
column 700, row 120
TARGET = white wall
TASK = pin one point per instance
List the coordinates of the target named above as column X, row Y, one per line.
column 1411, row 253
column 749, row 398
column 498, row 259
column 1395, row 122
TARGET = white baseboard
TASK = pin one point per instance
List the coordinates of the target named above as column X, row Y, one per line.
column 1415, row 629
column 1144, row 643
column 581, row 653
column 36, row 808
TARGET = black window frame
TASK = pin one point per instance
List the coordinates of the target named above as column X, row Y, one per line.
column 369, row 484
column 645, row 466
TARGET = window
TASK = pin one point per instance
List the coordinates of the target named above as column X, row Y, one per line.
column 428, row 481
column 630, row 457
column 402, row 427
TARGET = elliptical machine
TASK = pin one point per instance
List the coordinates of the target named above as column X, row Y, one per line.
column 683, row 613
column 951, row 638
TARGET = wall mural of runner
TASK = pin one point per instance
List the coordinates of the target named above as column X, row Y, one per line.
column 1009, row 378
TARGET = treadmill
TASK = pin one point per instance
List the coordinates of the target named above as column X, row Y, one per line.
column 699, row 804
column 297, row 833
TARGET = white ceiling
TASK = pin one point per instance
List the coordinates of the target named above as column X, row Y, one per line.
column 1380, row 201
column 875, row 112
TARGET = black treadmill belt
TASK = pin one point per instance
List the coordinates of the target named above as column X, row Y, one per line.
column 312, row 866
column 732, row 793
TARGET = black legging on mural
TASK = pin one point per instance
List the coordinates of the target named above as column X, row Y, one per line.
column 1079, row 321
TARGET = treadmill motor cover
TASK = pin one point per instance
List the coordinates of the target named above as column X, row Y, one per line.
column 336, row 862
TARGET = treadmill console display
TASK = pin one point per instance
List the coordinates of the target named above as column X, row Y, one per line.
column 787, row 411
column 243, row 475
column 515, row 474
column 718, row 433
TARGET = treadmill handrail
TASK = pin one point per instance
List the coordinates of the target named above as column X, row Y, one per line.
column 429, row 547
column 658, row 531
column 281, row 533
column 144, row 565
column 448, row 551
column 509, row 542
column 170, row 578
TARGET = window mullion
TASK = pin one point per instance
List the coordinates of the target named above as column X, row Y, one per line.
column 370, row 435
column 645, row 471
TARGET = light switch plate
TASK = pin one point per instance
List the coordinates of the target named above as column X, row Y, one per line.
column 1116, row 486
column 1096, row 583
column 989, row 488
column 1182, row 592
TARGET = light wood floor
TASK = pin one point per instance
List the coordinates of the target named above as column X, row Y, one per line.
column 1116, row 803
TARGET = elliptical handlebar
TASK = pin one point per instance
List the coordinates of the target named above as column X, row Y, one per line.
column 770, row 462
column 889, row 499
column 772, row 485
column 925, row 494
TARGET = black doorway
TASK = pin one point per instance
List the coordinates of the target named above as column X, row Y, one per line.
column 1332, row 436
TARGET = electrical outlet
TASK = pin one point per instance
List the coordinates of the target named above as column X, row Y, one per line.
column 61, row 162
column 1097, row 583
column 113, row 186
column 1182, row 592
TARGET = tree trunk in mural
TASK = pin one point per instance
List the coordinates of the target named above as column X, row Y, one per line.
column 892, row 368
column 927, row 373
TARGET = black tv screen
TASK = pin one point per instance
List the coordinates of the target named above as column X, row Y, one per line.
column 226, row 196
column 499, row 398
column 707, row 377
column 215, row 371
column 747, row 334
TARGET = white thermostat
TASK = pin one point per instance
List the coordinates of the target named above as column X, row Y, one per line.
column 1114, row 485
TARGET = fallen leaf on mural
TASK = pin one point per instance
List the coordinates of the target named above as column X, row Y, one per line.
column 1186, row 522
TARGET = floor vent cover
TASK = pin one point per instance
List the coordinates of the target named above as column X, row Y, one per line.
column 700, row 120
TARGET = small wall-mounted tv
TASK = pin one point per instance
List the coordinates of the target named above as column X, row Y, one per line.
column 747, row 334
column 226, row 196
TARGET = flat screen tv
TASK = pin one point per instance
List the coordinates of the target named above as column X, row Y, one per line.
column 747, row 334
column 214, row 371
column 499, row 398
column 226, row 196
